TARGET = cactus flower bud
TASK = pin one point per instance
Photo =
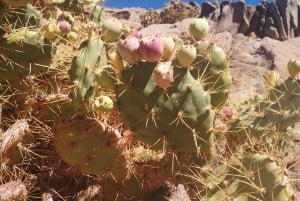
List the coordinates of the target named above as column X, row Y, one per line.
column 186, row 55
column 199, row 28
column 72, row 36
column 103, row 104
column 216, row 55
column 64, row 26
column 163, row 74
column 293, row 67
column 128, row 49
column 112, row 29
column 51, row 29
column 227, row 112
column 115, row 60
column 169, row 48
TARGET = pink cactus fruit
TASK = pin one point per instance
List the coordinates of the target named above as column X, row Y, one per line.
column 151, row 49
column 137, row 34
column 164, row 74
column 227, row 112
column 128, row 49
column 64, row 26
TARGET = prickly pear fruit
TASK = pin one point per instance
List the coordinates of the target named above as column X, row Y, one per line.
column 169, row 48
column 217, row 57
column 91, row 146
column 293, row 67
column 112, row 29
column 186, row 55
column 164, row 75
column 64, row 26
column 137, row 34
column 199, row 28
column 128, row 49
column 115, row 59
column 72, row 36
column 103, row 103
column 51, row 29
column 151, row 49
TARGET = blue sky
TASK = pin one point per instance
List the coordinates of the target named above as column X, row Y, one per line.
column 152, row 3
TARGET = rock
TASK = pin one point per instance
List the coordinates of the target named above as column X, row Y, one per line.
column 248, row 65
column 173, row 12
column 270, row 30
column 207, row 9
column 258, row 20
column 273, row 12
column 278, row 20
column 176, row 29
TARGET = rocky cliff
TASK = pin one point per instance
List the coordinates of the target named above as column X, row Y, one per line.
column 278, row 19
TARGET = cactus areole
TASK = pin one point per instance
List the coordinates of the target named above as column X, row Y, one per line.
column 179, row 118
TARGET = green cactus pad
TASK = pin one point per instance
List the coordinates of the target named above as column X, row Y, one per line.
column 90, row 69
column 24, row 52
column 27, row 16
column 211, row 67
column 275, row 112
column 90, row 146
column 96, row 13
column 179, row 117
column 253, row 177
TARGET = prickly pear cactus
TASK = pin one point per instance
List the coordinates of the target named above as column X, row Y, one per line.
column 89, row 70
column 13, row 18
column 276, row 111
column 212, row 68
column 178, row 118
column 24, row 52
column 91, row 146
column 253, row 177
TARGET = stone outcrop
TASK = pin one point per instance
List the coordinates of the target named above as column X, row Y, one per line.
column 278, row 20
column 173, row 12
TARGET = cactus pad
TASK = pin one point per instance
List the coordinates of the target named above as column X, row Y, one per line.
column 179, row 117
